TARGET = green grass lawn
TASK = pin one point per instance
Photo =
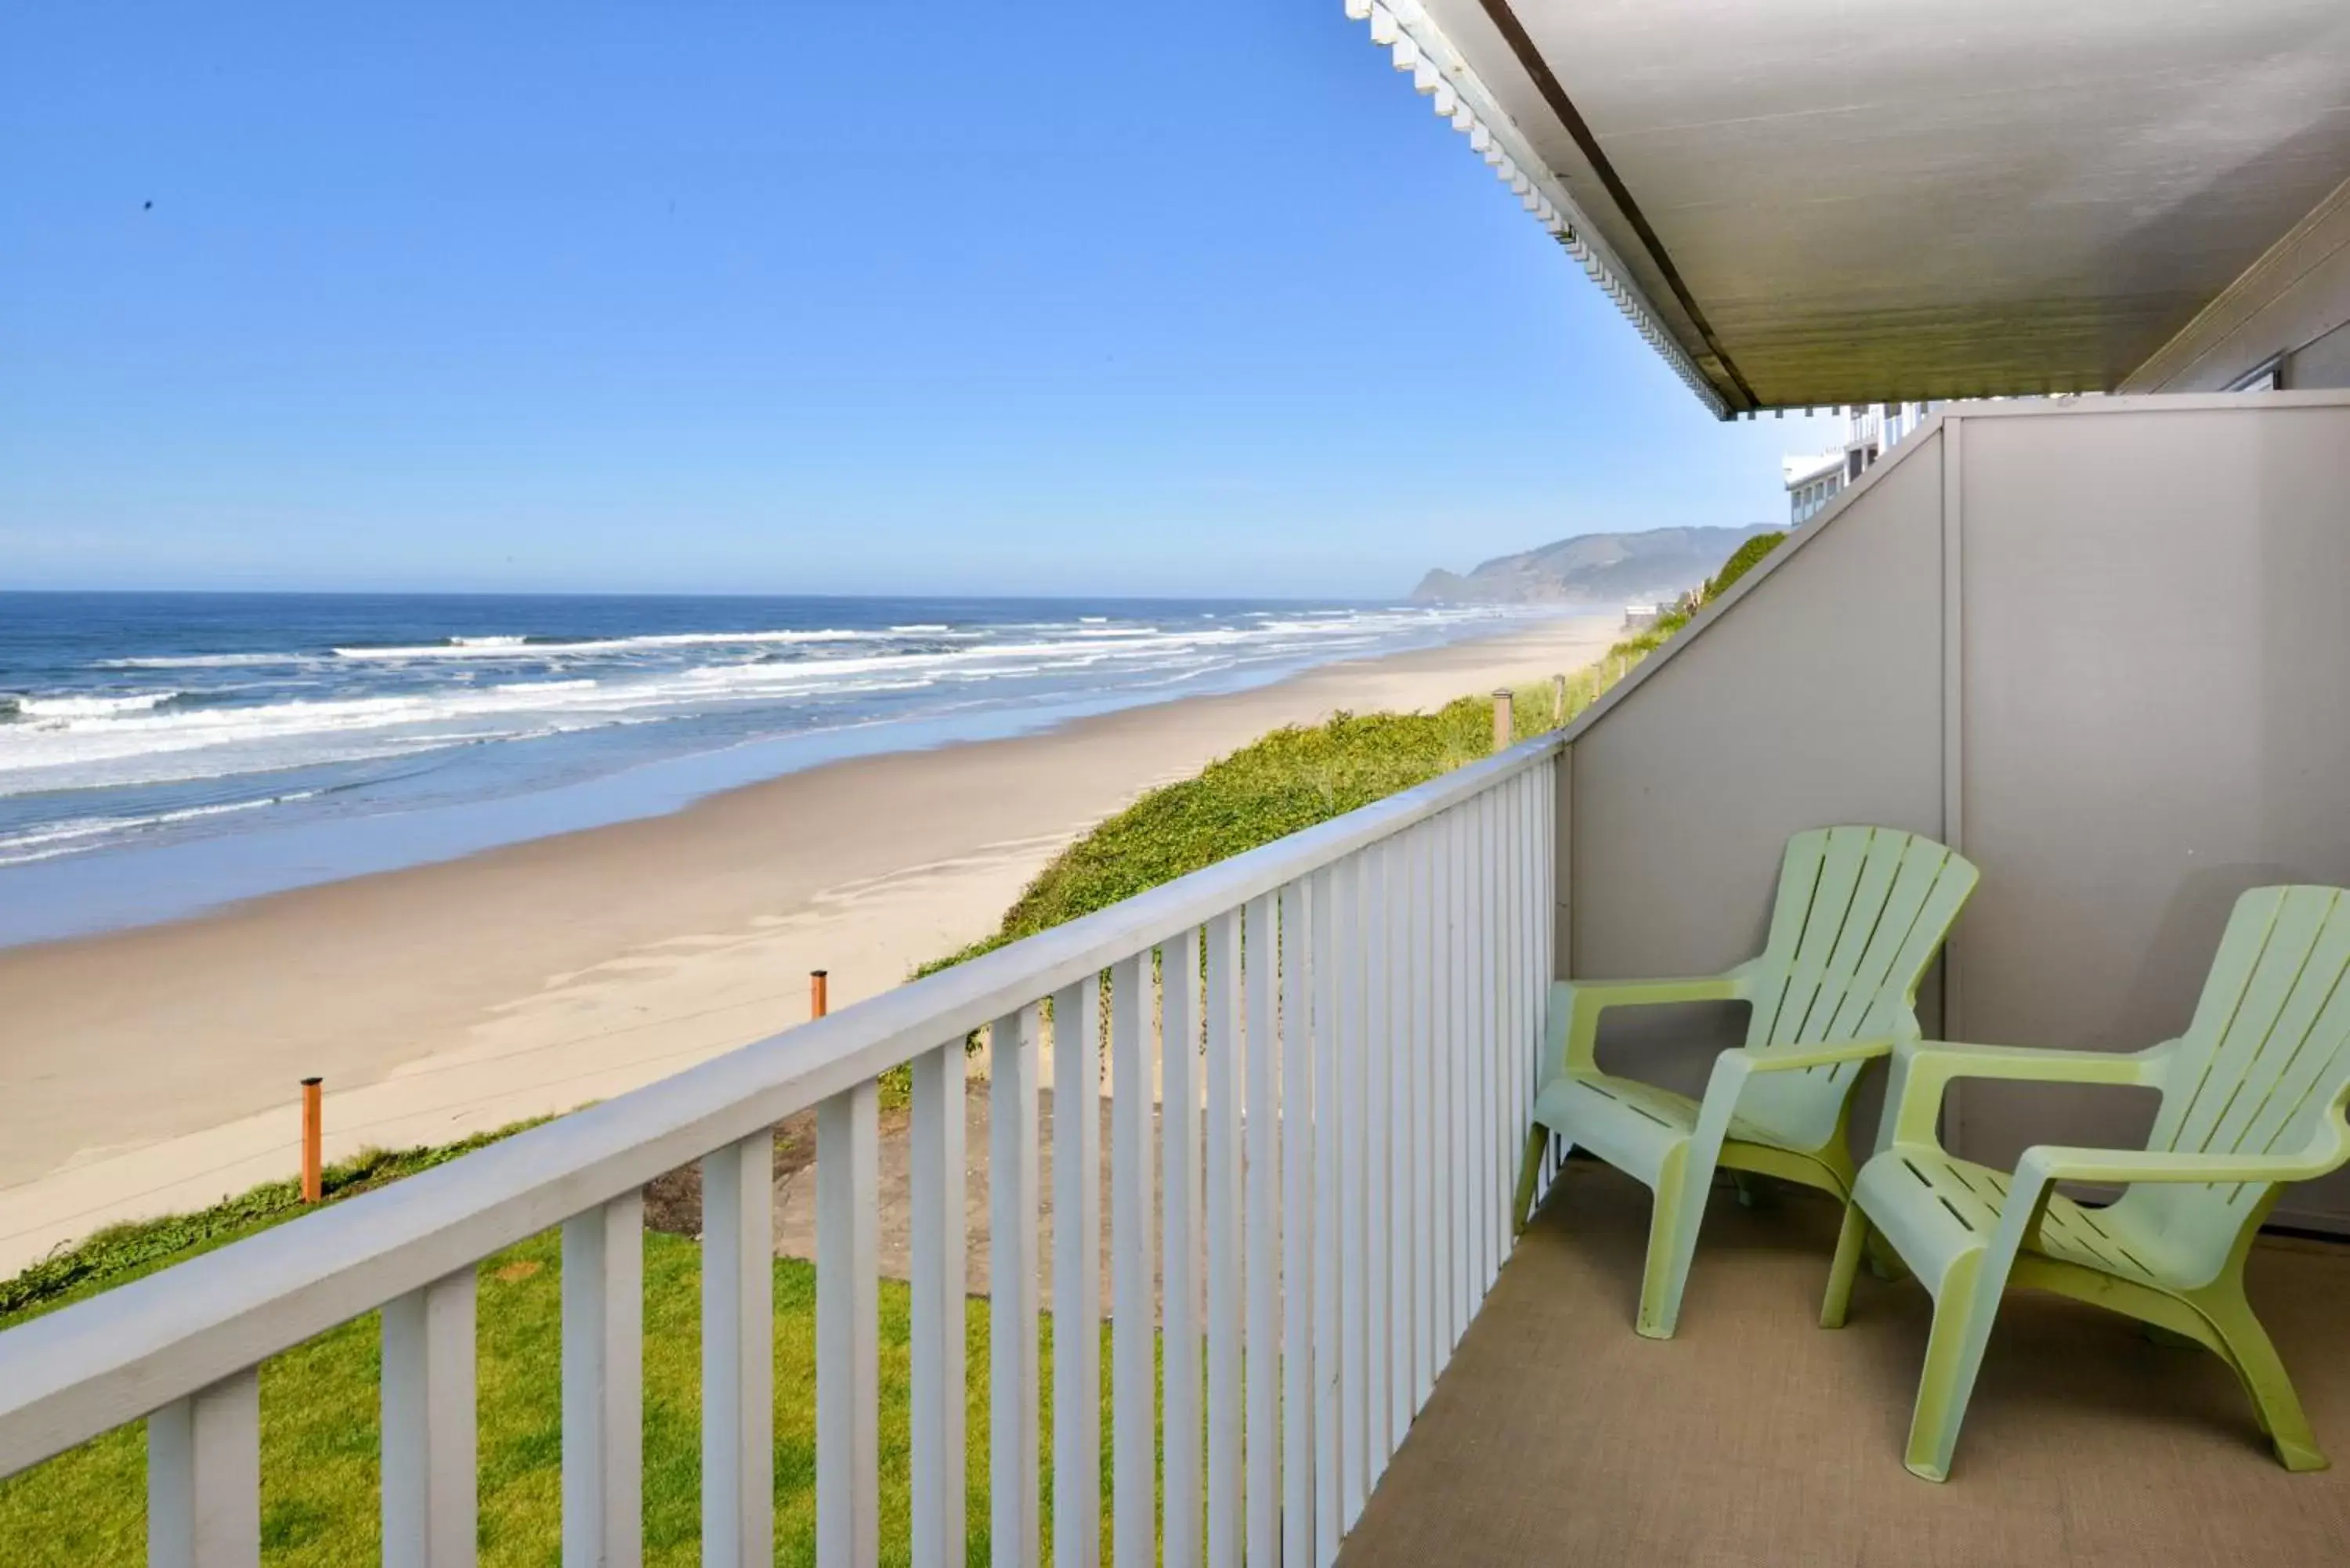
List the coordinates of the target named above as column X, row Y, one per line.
column 320, row 1423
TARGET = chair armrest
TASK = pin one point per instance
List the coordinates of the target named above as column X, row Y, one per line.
column 1922, row 1069
column 1801, row 1058
column 1576, row 1006
column 1733, row 1069
column 2045, row 1163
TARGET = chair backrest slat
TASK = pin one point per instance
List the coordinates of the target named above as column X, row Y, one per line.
column 1824, row 917
column 1864, row 948
column 1799, row 879
column 2295, row 1054
column 1859, row 915
column 1929, row 890
column 2265, row 1057
column 2280, row 963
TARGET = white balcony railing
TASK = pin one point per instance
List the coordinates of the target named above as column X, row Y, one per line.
column 1327, row 1209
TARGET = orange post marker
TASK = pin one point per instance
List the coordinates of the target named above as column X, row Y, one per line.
column 817, row 1004
column 313, row 1118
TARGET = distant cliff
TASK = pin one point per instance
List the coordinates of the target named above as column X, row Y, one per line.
column 1593, row 569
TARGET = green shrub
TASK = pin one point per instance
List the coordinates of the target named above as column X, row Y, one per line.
column 120, row 1253
column 1281, row 784
column 1742, row 561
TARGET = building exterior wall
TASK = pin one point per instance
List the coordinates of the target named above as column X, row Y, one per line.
column 2097, row 646
column 1812, row 484
column 2291, row 309
column 1871, row 431
column 1686, row 786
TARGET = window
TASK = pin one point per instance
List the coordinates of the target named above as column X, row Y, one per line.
column 2268, row 377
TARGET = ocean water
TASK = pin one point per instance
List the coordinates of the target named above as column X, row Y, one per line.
column 162, row 752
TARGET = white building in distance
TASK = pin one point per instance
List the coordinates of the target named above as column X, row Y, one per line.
column 1871, row 430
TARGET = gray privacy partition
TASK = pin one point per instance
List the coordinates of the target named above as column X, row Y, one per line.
column 2102, row 646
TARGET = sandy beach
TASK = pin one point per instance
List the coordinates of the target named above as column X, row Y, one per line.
column 153, row 1070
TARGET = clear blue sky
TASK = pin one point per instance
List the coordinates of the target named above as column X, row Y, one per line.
column 1052, row 297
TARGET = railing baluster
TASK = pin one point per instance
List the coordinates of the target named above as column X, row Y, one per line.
column 1133, row 1375
column 1530, row 976
column 1548, row 967
column 1014, row 1386
column 934, row 1171
column 1476, row 976
column 1223, row 1191
column 1513, row 989
column 738, row 1354
column 1425, row 1269
column 1440, row 1093
column 1530, row 884
column 203, row 1477
column 1378, row 1047
column 1261, row 1361
column 1459, row 988
column 1497, row 1056
column 847, row 1331
column 1506, row 998
column 1297, row 1230
column 1329, row 1359
column 1076, row 1276
column 429, row 1492
column 1178, row 1266
column 1352, row 941
column 1403, row 1157
column 603, row 1385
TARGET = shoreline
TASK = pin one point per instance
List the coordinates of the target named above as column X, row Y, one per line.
column 52, row 895
column 152, row 1069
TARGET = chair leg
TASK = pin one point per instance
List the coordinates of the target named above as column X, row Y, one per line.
column 1667, row 1266
column 1851, row 1242
column 2275, row 1404
column 1529, row 1168
column 1953, row 1355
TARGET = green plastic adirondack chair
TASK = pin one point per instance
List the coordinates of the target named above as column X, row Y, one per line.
column 2253, row 1098
column 1859, row 915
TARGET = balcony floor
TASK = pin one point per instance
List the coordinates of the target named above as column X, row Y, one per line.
column 1557, row 1436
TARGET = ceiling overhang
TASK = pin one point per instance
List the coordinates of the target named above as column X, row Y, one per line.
column 1807, row 204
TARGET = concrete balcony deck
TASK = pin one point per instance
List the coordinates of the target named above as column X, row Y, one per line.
column 1755, row 1438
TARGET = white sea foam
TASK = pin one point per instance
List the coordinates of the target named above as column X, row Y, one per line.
column 536, row 687
column 203, row 660
column 77, row 834
column 147, row 740
column 90, row 707
column 522, row 647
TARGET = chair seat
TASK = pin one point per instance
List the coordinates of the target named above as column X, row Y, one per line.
column 1634, row 1127
column 1935, row 1208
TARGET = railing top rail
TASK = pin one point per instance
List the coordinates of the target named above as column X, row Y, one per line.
column 83, row 1370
